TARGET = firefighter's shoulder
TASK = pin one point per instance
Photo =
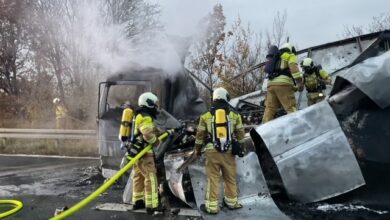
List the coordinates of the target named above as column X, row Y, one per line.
column 206, row 114
column 234, row 110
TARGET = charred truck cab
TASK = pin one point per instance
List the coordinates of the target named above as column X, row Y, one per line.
column 178, row 100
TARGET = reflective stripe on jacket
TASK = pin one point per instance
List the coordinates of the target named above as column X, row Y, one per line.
column 144, row 124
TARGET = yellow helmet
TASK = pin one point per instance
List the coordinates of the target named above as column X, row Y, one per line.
column 148, row 100
column 221, row 94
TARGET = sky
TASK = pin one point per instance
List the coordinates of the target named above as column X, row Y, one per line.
column 309, row 22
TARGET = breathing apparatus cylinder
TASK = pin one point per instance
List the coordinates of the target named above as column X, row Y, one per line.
column 125, row 128
column 222, row 135
column 220, row 118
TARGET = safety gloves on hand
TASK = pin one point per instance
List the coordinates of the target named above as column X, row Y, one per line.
column 135, row 147
column 174, row 130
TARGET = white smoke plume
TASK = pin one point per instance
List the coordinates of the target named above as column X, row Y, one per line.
column 108, row 46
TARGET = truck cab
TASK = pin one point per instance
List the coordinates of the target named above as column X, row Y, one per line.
column 178, row 101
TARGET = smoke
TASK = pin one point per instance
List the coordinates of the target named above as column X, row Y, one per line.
column 110, row 47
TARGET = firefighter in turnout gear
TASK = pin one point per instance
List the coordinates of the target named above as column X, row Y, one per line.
column 221, row 132
column 61, row 114
column 315, row 79
column 285, row 81
column 145, row 186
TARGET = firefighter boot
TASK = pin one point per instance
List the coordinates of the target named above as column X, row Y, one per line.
column 155, row 211
column 235, row 206
column 204, row 209
column 140, row 204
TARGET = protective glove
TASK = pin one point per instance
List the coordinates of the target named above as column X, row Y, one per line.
column 237, row 149
column 135, row 148
column 174, row 130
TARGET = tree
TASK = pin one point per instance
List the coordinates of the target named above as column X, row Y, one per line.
column 49, row 47
column 378, row 23
column 278, row 30
column 243, row 51
column 247, row 50
column 76, row 38
column 207, row 53
column 14, row 46
column 137, row 15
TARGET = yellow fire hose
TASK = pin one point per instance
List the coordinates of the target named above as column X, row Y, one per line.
column 18, row 205
column 107, row 184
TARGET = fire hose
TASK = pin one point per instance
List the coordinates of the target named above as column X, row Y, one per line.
column 107, row 184
column 18, row 206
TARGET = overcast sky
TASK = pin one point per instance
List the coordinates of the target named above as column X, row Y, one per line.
column 309, row 22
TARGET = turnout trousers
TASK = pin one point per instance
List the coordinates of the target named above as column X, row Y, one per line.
column 277, row 96
column 145, row 186
column 314, row 97
column 220, row 164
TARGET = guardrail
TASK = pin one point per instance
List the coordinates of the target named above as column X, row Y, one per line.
column 47, row 133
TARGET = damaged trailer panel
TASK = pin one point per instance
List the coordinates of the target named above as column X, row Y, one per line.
column 311, row 152
column 361, row 100
column 372, row 77
column 313, row 156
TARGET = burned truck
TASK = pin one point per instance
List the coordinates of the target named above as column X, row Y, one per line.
column 178, row 99
column 311, row 155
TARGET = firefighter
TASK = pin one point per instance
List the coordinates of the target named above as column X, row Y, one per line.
column 220, row 150
column 61, row 114
column 286, row 81
column 145, row 186
column 315, row 79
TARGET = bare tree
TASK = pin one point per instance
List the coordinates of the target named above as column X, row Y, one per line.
column 378, row 23
column 138, row 16
column 279, row 31
column 207, row 54
column 243, row 51
column 45, row 49
column 352, row 31
column 47, row 39
column 14, row 46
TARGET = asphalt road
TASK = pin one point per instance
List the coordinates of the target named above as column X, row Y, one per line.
column 46, row 183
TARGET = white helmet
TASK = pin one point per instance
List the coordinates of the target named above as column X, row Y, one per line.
column 148, row 99
column 221, row 93
column 307, row 62
column 289, row 47
column 56, row 100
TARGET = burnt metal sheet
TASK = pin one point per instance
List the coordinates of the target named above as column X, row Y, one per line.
column 372, row 77
column 337, row 56
column 253, row 191
column 175, row 179
column 312, row 154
